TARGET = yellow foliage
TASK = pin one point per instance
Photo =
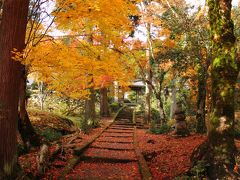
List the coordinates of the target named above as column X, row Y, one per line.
column 72, row 71
column 84, row 16
column 166, row 65
column 89, row 60
column 190, row 72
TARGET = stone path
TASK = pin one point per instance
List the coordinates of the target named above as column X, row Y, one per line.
column 112, row 155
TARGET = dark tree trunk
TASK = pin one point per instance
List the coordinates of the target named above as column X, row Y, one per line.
column 159, row 97
column 201, row 100
column 174, row 100
column 162, row 114
column 28, row 134
column 224, row 71
column 104, row 111
column 12, row 35
column 90, row 111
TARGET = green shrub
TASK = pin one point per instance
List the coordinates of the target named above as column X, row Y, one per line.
column 155, row 115
column 237, row 133
column 161, row 130
column 84, row 126
column 114, row 107
column 200, row 169
column 94, row 123
column 167, row 107
column 132, row 96
column 139, row 109
column 171, row 122
column 50, row 134
column 21, row 149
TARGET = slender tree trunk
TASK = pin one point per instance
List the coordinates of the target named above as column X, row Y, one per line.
column 12, row 35
column 224, row 71
column 149, row 57
column 28, row 134
column 159, row 97
column 104, row 111
column 148, row 92
column 147, row 115
column 174, row 101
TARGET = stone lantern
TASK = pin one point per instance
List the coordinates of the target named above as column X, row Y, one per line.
column 181, row 125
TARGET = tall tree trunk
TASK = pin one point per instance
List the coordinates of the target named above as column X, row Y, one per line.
column 12, row 35
column 159, row 97
column 224, row 71
column 28, row 134
column 104, row 111
column 149, row 57
column 147, row 116
column 148, row 87
column 174, row 100
column 201, row 100
column 90, row 111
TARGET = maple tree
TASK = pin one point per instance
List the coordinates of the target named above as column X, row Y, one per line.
column 87, row 58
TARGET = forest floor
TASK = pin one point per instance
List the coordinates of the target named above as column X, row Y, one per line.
column 60, row 151
column 166, row 156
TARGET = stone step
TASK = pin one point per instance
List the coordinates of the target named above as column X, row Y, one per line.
column 115, row 139
column 109, row 155
column 115, row 146
column 88, row 170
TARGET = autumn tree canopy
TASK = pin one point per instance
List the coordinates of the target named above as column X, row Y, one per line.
column 149, row 66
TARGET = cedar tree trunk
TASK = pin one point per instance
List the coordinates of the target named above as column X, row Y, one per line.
column 104, row 111
column 12, row 35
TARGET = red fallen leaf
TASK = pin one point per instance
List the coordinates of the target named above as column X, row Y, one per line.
column 28, row 161
column 168, row 157
column 107, row 145
column 103, row 170
column 115, row 139
column 112, row 154
column 236, row 168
